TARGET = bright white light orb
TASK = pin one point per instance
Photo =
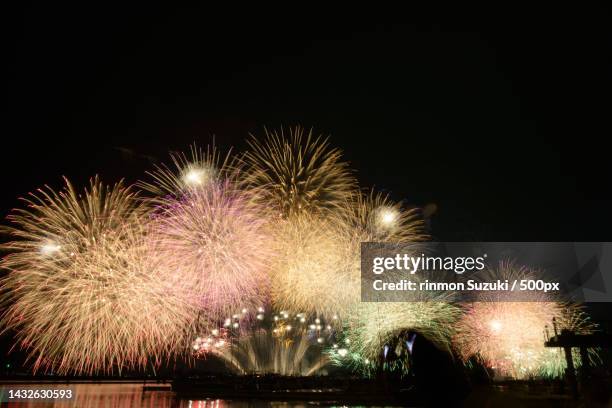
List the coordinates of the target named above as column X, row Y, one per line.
column 495, row 325
column 194, row 177
column 387, row 217
column 49, row 249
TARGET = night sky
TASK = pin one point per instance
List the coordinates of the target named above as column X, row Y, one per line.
column 501, row 123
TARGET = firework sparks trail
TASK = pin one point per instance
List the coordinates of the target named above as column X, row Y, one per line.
column 210, row 233
column 378, row 219
column 83, row 292
column 188, row 173
column 315, row 267
column 509, row 336
column 371, row 327
column 282, row 343
column 318, row 268
column 297, row 172
column 217, row 242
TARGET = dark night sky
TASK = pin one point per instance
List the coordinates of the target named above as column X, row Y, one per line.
column 500, row 123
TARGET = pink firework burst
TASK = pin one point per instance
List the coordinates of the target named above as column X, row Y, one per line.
column 215, row 242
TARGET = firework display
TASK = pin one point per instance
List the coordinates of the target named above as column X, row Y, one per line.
column 508, row 336
column 188, row 173
column 373, row 327
column 193, row 267
column 216, row 242
column 260, row 342
column 84, row 293
column 317, row 268
column 297, row 172
column 379, row 219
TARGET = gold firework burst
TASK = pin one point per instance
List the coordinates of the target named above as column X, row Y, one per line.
column 83, row 293
column 297, row 172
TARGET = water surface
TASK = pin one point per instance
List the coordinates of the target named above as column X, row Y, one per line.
column 127, row 395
